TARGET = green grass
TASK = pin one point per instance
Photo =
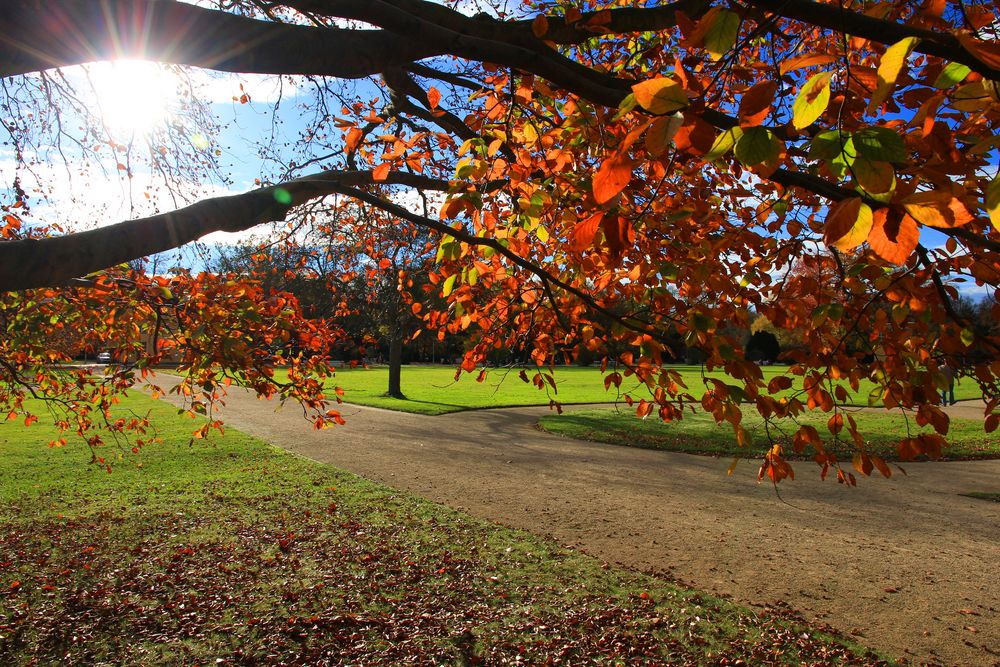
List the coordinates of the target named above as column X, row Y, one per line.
column 233, row 552
column 699, row 434
column 433, row 390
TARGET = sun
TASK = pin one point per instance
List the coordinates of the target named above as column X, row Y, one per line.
column 133, row 97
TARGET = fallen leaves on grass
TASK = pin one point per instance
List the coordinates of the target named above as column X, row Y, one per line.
column 309, row 580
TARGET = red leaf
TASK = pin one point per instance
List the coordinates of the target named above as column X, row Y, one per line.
column 381, row 172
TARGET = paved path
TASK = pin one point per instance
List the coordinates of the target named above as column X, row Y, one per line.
column 907, row 564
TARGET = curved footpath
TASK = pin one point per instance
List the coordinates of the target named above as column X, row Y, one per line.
column 907, row 565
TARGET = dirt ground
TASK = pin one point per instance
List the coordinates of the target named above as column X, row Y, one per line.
column 907, row 565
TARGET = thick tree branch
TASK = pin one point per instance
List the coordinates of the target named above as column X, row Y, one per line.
column 52, row 261
column 832, row 17
column 36, row 35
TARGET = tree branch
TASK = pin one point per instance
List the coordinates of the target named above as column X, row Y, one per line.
column 52, row 261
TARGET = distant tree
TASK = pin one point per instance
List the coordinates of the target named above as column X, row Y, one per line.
column 763, row 346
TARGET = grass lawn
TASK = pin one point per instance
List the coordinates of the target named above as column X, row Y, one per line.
column 700, row 434
column 433, row 389
column 233, row 552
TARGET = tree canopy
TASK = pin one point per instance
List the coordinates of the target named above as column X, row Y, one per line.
column 593, row 176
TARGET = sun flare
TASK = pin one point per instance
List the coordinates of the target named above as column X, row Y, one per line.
column 133, row 97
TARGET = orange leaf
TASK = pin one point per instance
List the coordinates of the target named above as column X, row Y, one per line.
column 582, row 236
column 433, row 97
column 695, row 136
column 660, row 96
column 985, row 52
column 612, row 177
column 540, row 26
column 992, row 422
column 806, row 60
column 353, row 138
column 937, row 209
column 755, row 104
column 894, row 235
column 841, row 219
column 661, row 134
column 381, row 172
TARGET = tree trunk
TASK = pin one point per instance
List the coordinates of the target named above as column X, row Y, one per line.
column 395, row 364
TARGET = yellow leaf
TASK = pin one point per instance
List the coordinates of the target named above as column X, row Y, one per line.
column 660, row 96
column 892, row 63
column 812, row 100
column 732, row 466
column 993, row 202
column 937, row 209
column 971, row 97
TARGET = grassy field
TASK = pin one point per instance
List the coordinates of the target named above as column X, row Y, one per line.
column 229, row 551
column 434, row 390
column 699, row 434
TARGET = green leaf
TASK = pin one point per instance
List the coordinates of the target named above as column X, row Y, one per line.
column 449, row 285
column 830, row 144
column 721, row 35
column 702, row 322
column 952, row 74
column 968, row 337
column 875, row 178
column 724, row 143
column 812, row 100
column 757, row 146
column 880, row 143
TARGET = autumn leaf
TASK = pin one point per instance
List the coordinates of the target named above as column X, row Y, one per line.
column 937, row 209
column 353, row 138
column 433, row 97
column 993, row 202
column 890, row 66
column 695, row 136
column 758, row 147
column 582, row 236
column 805, row 60
column 612, row 176
column 894, row 235
column 381, row 172
column 661, row 133
column 844, row 227
column 724, row 143
column 875, row 178
column 985, row 52
column 721, row 33
column 952, row 74
column 755, row 105
column 812, row 100
column 540, row 26
column 660, row 96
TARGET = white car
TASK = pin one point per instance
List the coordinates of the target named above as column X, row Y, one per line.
column 104, row 358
